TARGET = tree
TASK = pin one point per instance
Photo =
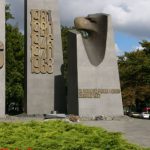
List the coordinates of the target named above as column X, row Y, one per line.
column 14, row 66
column 64, row 36
column 134, row 68
column 8, row 15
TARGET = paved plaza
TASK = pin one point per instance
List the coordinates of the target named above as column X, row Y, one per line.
column 134, row 130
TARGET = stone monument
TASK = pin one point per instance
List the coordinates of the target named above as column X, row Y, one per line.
column 44, row 84
column 93, row 78
column 2, row 58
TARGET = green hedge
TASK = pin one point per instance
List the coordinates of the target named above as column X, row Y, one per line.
column 60, row 135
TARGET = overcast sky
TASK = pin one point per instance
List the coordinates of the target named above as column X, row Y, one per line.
column 131, row 18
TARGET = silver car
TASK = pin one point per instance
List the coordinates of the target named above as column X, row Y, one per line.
column 145, row 115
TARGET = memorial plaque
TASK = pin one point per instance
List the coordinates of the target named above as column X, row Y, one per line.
column 43, row 57
column 96, row 93
column 41, row 41
column 2, row 58
column 93, row 78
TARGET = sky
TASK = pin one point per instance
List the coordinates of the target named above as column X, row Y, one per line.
column 130, row 18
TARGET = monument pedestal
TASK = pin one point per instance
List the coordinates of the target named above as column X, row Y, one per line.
column 93, row 89
column 2, row 58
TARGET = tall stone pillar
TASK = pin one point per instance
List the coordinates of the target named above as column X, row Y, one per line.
column 93, row 78
column 2, row 58
column 44, row 89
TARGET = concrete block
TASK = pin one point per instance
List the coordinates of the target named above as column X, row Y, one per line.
column 93, row 78
column 43, row 56
column 2, row 58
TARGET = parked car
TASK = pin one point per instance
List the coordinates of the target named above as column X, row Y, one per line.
column 145, row 115
column 134, row 114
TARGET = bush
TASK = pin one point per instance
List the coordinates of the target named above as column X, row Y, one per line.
column 59, row 135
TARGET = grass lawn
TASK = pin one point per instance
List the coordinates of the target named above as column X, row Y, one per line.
column 60, row 135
